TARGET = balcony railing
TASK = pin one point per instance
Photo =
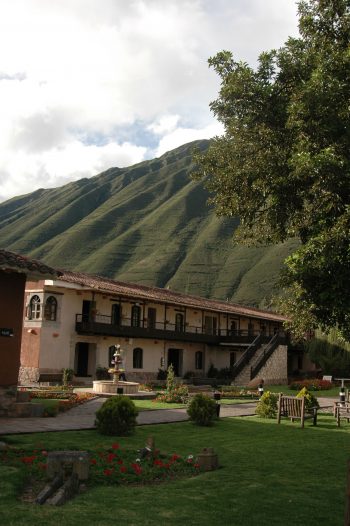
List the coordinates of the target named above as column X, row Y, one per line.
column 105, row 325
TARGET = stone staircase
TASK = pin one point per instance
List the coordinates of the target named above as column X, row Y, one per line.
column 253, row 359
column 243, row 378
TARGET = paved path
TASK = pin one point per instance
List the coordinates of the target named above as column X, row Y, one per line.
column 83, row 417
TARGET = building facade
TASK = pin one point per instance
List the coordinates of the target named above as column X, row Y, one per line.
column 73, row 322
column 14, row 271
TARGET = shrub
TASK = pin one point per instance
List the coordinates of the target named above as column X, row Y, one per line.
column 67, row 376
column 202, row 410
column 117, row 416
column 267, row 405
column 310, row 399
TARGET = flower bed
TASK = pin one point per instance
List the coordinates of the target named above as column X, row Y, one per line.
column 230, row 392
column 311, row 385
column 111, row 466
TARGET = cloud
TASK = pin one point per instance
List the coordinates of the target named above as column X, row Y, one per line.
column 76, row 78
column 181, row 135
column 58, row 166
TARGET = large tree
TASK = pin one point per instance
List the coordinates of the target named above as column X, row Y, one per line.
column 283, row 164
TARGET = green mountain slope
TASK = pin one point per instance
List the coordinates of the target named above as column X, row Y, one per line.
column 147, row 223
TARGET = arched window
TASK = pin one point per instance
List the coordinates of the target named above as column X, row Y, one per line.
column 199, row 360
column 50, row 312
column 34, row 308
column 135, row 316
column 137, row 358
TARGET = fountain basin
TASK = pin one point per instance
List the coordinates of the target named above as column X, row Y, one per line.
column 108, row 386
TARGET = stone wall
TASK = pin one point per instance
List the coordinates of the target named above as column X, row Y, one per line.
column 275, row 369
column 28, row 375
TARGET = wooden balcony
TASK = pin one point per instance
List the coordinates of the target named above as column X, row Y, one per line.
column 102, row 326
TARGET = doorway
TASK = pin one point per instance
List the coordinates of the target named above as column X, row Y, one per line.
column 81, row 359
column 175, row 359
column 116, row 314
column 151, row 318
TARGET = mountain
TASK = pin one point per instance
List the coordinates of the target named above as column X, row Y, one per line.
column 148, row 223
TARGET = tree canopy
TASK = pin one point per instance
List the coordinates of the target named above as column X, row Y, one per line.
column 283, row 163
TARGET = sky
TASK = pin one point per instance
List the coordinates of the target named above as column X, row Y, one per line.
column 86, row 85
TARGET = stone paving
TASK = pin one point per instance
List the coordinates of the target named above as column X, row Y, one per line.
column 83, row 417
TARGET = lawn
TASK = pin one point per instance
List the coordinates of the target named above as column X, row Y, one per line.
column 270, row 475
column 148, row 405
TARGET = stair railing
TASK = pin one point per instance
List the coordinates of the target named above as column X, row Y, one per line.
column 268, row 351
column 246, row 357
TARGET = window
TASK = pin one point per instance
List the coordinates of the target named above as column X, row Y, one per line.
column 135, row 316
column 137, row 358
column 50, row 309
column 210, row 325
column 250, row 328
column 199, row 360
column 179, row 322
column 34, row 308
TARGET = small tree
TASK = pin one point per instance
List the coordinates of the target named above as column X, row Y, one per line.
column 117, row 416
column 310, row 399
column 267, row 405
column 202, row 410
column 170, row 379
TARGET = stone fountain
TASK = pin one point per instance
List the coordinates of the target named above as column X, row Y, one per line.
column 116, row 386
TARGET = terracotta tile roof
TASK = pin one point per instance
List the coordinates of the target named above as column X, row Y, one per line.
column 170, row 297
column 12, row 261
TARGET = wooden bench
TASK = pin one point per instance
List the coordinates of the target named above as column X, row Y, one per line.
column 295, row 409
column 342, row 410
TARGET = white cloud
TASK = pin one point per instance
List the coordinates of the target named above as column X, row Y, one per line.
column 74, row 71
column 180, row 136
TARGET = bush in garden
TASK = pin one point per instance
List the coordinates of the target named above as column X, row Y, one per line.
column 202, row 410
column 117, row 416
column 310, row 399
column 267, row 405
column 174, row 393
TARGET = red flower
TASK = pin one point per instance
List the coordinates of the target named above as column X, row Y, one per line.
column 158, row 462
column 111, row 457
column 108, row 472
column 115, row 446
column 120, row 461
column 196, row 466
column 93, row 461
column 28, row 460
column 44, row 453
column 137, row 469
column 175, row 457
column 123, row 469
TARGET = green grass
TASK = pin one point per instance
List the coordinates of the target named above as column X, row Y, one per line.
column 148, row 405
column 270, row 475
